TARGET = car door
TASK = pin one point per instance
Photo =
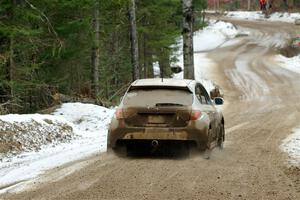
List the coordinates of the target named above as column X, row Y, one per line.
column 208, row 105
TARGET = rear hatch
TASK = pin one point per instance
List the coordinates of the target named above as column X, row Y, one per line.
column 157, row 107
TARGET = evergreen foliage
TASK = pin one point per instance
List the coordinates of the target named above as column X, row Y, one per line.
column 45, row 47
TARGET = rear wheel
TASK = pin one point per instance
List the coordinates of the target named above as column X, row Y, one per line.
column 208, row 150
column 221, row 137
column 183, row 150
column 120, row 150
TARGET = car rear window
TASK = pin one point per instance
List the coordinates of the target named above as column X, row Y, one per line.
column 158, row 97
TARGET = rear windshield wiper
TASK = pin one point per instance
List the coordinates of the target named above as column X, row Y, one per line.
column 167, row 104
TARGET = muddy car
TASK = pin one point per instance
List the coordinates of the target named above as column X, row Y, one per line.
column 156, row 112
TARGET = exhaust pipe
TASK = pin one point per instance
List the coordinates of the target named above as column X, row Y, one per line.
column 154, row 143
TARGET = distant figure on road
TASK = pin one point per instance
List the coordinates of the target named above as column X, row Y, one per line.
column 263, row 5
column 286, row 5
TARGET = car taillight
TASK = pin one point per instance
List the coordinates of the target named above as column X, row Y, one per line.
column 196, row 114
column 119, row 114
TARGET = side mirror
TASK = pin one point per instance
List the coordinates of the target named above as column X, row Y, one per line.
column 218, row 101
column 121, row 98
column 176, row 69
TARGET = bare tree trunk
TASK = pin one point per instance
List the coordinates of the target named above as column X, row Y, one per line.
column 249, row 4
column 96, row 52
column 134, row 42
column 215, row 5
column 11, row 65
column 286, row 5
column 187, row 33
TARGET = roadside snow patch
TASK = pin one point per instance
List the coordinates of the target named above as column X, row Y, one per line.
column 19, row 133
column 257, row 15
column 214, row 35
column 89, row 124
column 291, row 145
column 285, row 17
column 292, row 64
column 86, row 118
column 250, row 15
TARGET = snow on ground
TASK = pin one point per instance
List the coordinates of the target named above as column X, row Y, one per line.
column 89, row 123
column 291, row 145
column 21, row 133
column 257, row 15
column 204, row 66
column 292, row 64
column 156, row 69
column 216, row 34
column 86, row 118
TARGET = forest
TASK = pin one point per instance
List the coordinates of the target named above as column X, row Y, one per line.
column 84, row 48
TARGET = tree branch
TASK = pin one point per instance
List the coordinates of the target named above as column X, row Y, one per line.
column 10, row 103
column 50, row 27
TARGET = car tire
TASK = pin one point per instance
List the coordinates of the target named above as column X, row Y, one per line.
column 207, row 154
column 208, row 150
column 120, row 151
column 183, row 150
column 221, row 137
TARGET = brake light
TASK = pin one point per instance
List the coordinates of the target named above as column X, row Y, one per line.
column 196, row 114
column 119, row 114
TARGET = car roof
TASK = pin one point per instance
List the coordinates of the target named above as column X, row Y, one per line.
column 166, row 82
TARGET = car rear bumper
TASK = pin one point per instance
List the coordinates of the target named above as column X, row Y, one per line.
column 199, row 136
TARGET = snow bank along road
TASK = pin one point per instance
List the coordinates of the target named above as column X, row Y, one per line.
column 262, row 108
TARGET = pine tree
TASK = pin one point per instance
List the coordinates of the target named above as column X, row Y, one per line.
column 46, row 47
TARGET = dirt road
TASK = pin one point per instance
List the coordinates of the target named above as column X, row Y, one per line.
column 263, row 106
